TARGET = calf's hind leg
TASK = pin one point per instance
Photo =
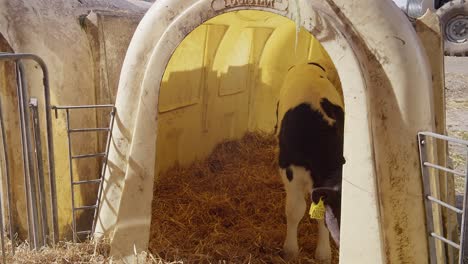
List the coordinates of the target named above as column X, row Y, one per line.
column 297, row 183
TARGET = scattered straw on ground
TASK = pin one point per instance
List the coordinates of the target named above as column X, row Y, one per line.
column 64, row 252
column 67, row 252
column 229, row 207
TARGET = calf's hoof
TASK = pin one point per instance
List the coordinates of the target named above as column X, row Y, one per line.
column 323, row 257
column 289, row 254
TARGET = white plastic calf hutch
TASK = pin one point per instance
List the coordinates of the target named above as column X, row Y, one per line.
column 390, row 93
column 386, row 81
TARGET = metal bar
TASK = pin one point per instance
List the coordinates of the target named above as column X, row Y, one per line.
column 89, row 129
column 427, row 193
column 40, row 169
column 86, row 182
column 453, row 244
column 7, row 179
column 29, row 146
column 50, row 149
column 50, row 140
column 446, row 205
column 435, row 166
column 70, row 160
column 103, row 170
column 443, row 137
column 81, row 106
column 89, row 155
column 85, row 207
column 26, row 160
column 464, row 227
column 83, row 232
column 8, row 191
column 1, row 232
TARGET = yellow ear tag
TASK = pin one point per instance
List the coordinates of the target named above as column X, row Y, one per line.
column 317, row 211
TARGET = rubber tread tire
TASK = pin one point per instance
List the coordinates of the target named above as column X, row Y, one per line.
column 445, row 13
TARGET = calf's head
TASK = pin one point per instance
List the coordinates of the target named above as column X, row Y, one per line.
column 331, row 196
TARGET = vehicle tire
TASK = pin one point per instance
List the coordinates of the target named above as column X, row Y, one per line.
column 453, row 17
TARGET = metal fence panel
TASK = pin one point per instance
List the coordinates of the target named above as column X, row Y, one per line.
column 426, row 165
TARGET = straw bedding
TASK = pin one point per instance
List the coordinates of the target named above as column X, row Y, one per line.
column 228, row 208
column 63, row 252
column 92, row 252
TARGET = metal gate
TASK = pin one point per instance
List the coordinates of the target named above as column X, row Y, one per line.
column 424, row 139
column 71, row 156
column 39, row 233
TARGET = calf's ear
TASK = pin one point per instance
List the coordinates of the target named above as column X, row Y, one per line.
column 331, row 198
column 332, row 223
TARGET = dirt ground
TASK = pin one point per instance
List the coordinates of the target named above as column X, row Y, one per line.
column 456, row 92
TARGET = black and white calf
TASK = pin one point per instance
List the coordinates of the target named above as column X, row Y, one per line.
column 311, row 122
